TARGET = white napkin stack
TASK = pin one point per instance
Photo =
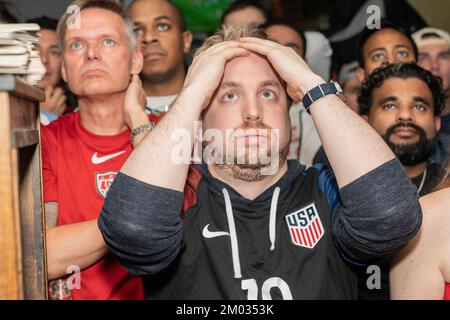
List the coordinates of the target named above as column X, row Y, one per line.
column 18, row 54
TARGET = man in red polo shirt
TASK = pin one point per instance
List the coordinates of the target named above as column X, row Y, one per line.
column 82, row 152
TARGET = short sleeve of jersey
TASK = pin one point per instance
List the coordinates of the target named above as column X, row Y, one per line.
column 49, row 151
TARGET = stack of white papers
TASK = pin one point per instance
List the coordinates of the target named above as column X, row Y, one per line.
column 17, row 51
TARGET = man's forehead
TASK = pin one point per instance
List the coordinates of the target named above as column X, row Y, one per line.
column 435, row 47
column 47, row 34
column 253, row 69
column 286, row 30
column 150, row 9
column 95, row 21
column 386, row 38
column 412, row 86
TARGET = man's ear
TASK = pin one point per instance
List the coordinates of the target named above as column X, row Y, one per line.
column 63, row 71
column 187, row 41
column 137, row 62
column 437, row 123
column 361, row 73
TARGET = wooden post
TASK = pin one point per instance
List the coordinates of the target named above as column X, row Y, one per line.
column 22, row 222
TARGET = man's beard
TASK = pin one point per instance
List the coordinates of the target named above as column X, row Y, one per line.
column 254, row 170
column 411, row 154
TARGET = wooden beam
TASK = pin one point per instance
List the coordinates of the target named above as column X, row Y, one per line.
column 10, row 241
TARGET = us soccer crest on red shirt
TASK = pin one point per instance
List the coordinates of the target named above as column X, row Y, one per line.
column 305, row 227
column 104, row 181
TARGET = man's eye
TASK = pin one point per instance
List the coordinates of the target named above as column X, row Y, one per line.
column 420, row 107
column 268, row 95
column 138, row 32
column 55, row 53
column 108, row 42
column 163, row 27
column 423, row 58
column 389, row 107
column 76, row 45
column 379, row 57
column 229, row 97
column 402, row 55
column 445, row 56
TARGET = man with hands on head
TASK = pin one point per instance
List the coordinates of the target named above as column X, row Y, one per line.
column 83, row 152
column 230, row 230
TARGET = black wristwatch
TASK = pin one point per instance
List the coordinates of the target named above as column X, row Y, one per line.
column 320, row 91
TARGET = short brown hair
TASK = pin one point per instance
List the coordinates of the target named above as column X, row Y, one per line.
column 110, row 5
column 231, row 33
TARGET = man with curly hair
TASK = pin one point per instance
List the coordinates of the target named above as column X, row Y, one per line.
column 403, row 103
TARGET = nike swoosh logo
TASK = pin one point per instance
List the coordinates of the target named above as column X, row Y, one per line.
column 97, row 160
column 212, row 234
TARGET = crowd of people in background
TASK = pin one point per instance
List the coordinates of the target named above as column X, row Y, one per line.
column 361, row 178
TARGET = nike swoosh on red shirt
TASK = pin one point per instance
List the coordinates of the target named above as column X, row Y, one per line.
column 98, row 160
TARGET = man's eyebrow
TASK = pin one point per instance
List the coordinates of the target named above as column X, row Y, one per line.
column 103, row 35
column 100, row 36
column 402, row 46
column 272, row 83
column 158, row 18
column 292, row 44
column 422, row 100
column 53, row 46
column 162, row 18
column 387, row 99
column 377, row 49
column 231, row 84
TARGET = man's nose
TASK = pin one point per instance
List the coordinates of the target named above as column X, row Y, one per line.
column 149, row 37
column 92, row 51
column 390, row 59
column 434, row 65
column 386, row 63
column 44, row 56
column 252, row 110
column 405, row 114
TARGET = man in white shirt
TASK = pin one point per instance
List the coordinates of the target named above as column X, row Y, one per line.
column 162, row 34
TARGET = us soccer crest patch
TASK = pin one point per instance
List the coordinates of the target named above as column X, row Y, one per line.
column 104, row 181
column 305, row 227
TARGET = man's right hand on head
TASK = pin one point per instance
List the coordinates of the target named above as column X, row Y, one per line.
column 207, row 69
column 55, row 100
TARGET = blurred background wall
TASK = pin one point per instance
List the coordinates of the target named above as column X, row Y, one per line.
column 313, row 14
column 435, row 12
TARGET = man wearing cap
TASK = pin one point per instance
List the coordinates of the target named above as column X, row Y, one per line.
column 434, row 56
column 351, row 84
